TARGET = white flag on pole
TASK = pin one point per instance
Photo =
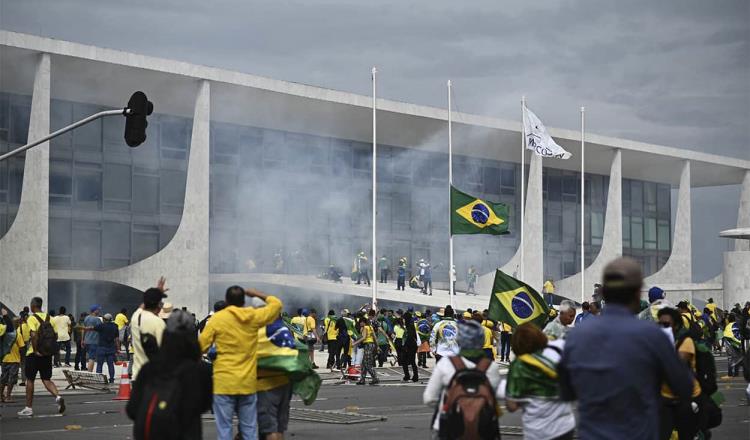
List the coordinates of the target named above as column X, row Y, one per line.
column 538, row 140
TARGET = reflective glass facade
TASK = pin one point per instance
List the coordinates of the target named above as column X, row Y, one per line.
column 304, row 197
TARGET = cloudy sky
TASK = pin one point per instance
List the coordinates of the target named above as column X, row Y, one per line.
column 673, row 72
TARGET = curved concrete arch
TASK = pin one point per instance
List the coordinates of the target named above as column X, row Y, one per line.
column 533, row 254
column 184, row 260
column 679, row 266
column 24, row 248
column 611, row 244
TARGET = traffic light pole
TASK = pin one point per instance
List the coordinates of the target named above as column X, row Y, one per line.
column 63, row 130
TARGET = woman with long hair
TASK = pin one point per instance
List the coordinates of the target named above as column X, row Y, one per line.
column 177, row 379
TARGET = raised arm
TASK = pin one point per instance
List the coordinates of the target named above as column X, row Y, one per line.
column 269, row 313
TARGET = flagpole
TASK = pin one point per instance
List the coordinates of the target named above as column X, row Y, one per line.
column 523, row 178
column 374, row 280
column 451, row 291
column 583, row 205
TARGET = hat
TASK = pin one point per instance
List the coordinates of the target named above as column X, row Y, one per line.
column 166, row 310
column 467, row 315
column 622, row 272
column 655, row 294
column 153, row 296
column 683, row 305
column 345, row 311
column 94, row 308
column 470, row 336
column 418, row 314
column 108, row 317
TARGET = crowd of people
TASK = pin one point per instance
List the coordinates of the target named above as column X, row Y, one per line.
column 659, row 374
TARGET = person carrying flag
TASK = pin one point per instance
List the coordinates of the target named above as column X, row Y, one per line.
column 424, row 329
column 733, row 344
column 443, row 336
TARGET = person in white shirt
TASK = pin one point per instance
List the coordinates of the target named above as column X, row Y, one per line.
column 470, row 340
column 146, row 328
column 62, row 326
column 443, row 336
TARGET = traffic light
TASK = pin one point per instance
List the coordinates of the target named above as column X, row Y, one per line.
column 135, row 118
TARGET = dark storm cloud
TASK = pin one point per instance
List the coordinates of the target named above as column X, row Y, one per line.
column 675, row 72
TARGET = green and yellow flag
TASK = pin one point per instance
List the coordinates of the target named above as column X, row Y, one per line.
column 471, row 215
column 514, row 302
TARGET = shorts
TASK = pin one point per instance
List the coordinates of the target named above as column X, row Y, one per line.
column 38, row 364
column 91, row 351
column 9, row 374
column 273, row 409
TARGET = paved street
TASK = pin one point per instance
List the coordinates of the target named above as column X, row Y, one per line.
column 95, row 415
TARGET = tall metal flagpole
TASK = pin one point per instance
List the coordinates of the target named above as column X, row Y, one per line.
column 451, row 291
column 374, row 279
column 583, row 204
column 523, row 178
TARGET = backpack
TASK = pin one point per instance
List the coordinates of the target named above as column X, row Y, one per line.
column 694, row 329
column 705, row 367
column 44, row 340
column 6, row 341
column 148, row 341
column 469, row 406
column 157, row 416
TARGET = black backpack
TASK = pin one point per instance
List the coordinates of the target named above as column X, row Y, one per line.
column 158, row 414
column 469, row 404
column 705, row 367
column 44, row 341
column 148, row 341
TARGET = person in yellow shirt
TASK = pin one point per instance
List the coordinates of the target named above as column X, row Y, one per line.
column 62, row 326
column 310, row 332
column 234, row 332
column 489, row 334
column 121, row 319
column 367, row 340
column 549, row 291
column 12, row 359
column 332, row 334
column 38, row 364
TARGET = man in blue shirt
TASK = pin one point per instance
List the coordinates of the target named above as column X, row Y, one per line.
column 107, row 346
column 614, row 366
column 90, row 337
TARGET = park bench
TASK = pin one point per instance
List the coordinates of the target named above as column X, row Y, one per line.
column 85, row 379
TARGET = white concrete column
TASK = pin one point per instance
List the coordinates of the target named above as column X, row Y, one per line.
column 24, row 249
column 679, row 267
column 611, row 243
column 184, row 260
column 743, row 214
column 533, row 239
column 736, row 278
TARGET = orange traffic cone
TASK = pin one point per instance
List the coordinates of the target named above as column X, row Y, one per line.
column 124, row 392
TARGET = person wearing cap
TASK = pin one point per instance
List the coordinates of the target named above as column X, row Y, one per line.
column 109, row 340
column 146, row 328
column 617, row 388
column 443, row 340
column 657, row 300
column 178, row 359
column 234, row 332
column 469, row 349
column 90, row 337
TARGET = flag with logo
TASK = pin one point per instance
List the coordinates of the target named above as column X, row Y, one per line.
column 538, row 139
column 472, row 215
column 515, row 302
column 279, row 352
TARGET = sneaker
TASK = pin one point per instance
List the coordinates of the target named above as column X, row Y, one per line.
column 406, row 379
column 314, row 367
column 26, row 412
column 361, row 382
column 374, row 382
column 67, row 365
column 415, row 379
column 60, row 404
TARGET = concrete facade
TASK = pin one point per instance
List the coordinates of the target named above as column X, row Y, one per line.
column 679, row 267
column 611, row 245
column 23, row 250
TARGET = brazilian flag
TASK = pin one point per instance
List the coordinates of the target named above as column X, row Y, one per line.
column 514, row 302
column 471, row 215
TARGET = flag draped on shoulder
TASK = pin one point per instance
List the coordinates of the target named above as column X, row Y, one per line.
column 279, row 351
column 514, row 302
column 472, row 215
column 538, row 139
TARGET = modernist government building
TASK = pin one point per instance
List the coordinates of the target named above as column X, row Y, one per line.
column 240, row 172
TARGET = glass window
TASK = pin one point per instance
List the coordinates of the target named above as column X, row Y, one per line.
column 60, row 178
column 172, row 186
column 625, row 231
column 223, row 187
column 273, row 145
column 597, row 228
column 145, row 244
column 636, row 233
column 636, row 196
column 174, row 133
column 88, row 184
column 650, row 196
column 626, row 195
column 665, row 235
column 145, row 194
column 492, row 180
column 570, row 185
column 86, row 248
column 664, row 201
column 554, row 228
column 116, row 240
column 61, row 114
column 341, row 159
column 89, row 136
column 362, row 159
column 554, row 187
column 3, row 117
column 117, row 181
column 508, row 178
column 649, row 233
column 19, row 123
column 114, row 130
column 60, row 239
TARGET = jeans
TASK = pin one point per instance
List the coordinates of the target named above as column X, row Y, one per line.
column 504, row 346
column 246, row 407
column 401, row 282
column 383, row 275
column 63, row 345
column 80, row 362
column 333, row 354
column 343, row 344
column 106, row 355
column 363, row 275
